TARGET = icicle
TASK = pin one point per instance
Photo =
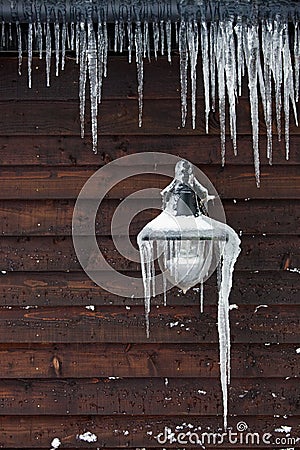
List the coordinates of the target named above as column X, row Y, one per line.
column 121, row 35
column 29, row 53
column 212, row 59
column 175, row 252
column 201, row 297
column 130, row 40
column 155, row 38
column 277, row 71
column 116, row 36
column 183, row 52
column 64, row 37
column 102, row 56
column 100, row 60
column 297, row 59
column 77, row 42
column 289, row 93
column 231, row 79
column 193, row 40
column 92, row 60
column 57, row 45
column 169, row 39
column 221, row 91
column 82, row 74
column 252, row 55
column 240, row 55
column 146, row 40
column 205, row 67
column 153, row 272
column 39, row 36
column 72, row 40
column 10, row 33
column 267, row 52
column 105, row 49
column 165, row 289
column 146, row 253
column 230, row 252
column 176, row 32
column 19, row 36
column 68, row 38
column 3, row 41
column 48, row 53
column 139, row 68
column 162, row 37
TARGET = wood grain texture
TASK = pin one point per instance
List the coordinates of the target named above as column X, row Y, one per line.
column 231, row 182
column 44, row 361
column 57, row 253
column 180, row 324
column 161, row 80
column 149, row 396
column 72, row 151
column 161, row 116
column 111, row 432
column 38, row 431
column 76, row 289
column 54, row 217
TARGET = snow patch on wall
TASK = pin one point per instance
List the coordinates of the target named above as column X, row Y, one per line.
column 87, row 437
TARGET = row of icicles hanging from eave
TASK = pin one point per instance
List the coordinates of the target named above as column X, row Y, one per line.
column 230, row 49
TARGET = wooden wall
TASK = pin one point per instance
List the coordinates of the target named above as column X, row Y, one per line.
column 66, row 369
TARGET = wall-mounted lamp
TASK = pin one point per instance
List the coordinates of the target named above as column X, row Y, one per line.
column 189, row 246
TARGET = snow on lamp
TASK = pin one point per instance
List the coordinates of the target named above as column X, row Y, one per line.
column 189, row 246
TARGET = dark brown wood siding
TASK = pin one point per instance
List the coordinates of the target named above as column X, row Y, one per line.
column 66, row 369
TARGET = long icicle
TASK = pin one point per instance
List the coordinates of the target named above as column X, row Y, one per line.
column 139, row 68
column 193, row 43
column 183, row 52
column 30, row 36
column 92, row 60
column 206, row 67
column 82, row 74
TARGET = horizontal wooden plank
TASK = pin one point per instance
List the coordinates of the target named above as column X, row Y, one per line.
column 161, row 116
column 181, row 324
column 57, row 253
column 161, row 80
column 231, row 182
column 71, row 150
column 71, row 289
column 39, row 361
column 54, row 217
column 98, row 396
column 123, row 432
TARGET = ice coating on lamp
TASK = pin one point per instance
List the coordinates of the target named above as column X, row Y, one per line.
column 190, row 246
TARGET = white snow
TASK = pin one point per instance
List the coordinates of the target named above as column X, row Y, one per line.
column 87, row 437
column 283, row 429
column 233, row 306
column 201, row 392
column 90, row 307
column 260, row 306
column 294, row 269
column 55, row 443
